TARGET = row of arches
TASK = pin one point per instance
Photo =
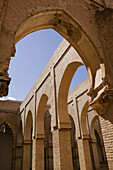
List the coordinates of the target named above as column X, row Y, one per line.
column 33, row 111
column 44, row 143
column 36, row 151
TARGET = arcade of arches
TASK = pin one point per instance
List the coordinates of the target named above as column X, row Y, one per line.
column 52, row 129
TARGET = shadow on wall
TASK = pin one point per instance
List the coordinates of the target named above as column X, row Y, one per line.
column 6, row 147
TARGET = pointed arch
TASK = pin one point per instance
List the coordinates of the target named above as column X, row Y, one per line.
column 92, row 127
column 10, row 127
column 40, row 133
column 40, row 114
column 69, row 72
column 65, row 25
column 28, row 126
column 83, row 120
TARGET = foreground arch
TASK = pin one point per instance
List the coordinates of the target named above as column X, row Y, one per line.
column 64, row 24
column 68, row 24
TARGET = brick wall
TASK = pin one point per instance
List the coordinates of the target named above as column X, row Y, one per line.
column 107, row 132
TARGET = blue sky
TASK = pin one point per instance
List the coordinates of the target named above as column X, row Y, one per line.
column 32, row 54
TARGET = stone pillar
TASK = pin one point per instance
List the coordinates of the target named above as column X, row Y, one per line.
column 18, row 161
column 95, row 154
column 33, row 153
column 62, row 154
column 84, row 154
column 40, row 152
column 26, row 154
column 50, row 157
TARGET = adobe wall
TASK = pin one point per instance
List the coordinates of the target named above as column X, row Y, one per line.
column 10, row 120
column 9, row 113
column 107, row 133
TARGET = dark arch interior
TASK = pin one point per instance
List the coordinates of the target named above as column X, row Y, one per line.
column 6, row 147
column 100, row 148
column 19, row 147
column 74, row 147
column 48, row 143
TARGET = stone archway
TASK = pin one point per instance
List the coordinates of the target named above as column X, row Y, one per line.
column 66, row 79
column 69, row 27
column 40, row 133
column 65, row 25
column 64, row 124
column 100, row 148
column 83, row 118
column 93, row 142
column 83, row 142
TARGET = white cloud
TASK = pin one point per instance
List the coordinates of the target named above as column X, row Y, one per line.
column 7, row 98
column 2, row 98
column 11, row 98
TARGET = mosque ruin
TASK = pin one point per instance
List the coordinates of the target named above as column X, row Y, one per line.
column 52, row 128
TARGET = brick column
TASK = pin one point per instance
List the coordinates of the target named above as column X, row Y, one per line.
column 95, row 154
column 18, row 161
column 62, row 155
column 40, row 152
column 26, row 154
column 84, row 154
